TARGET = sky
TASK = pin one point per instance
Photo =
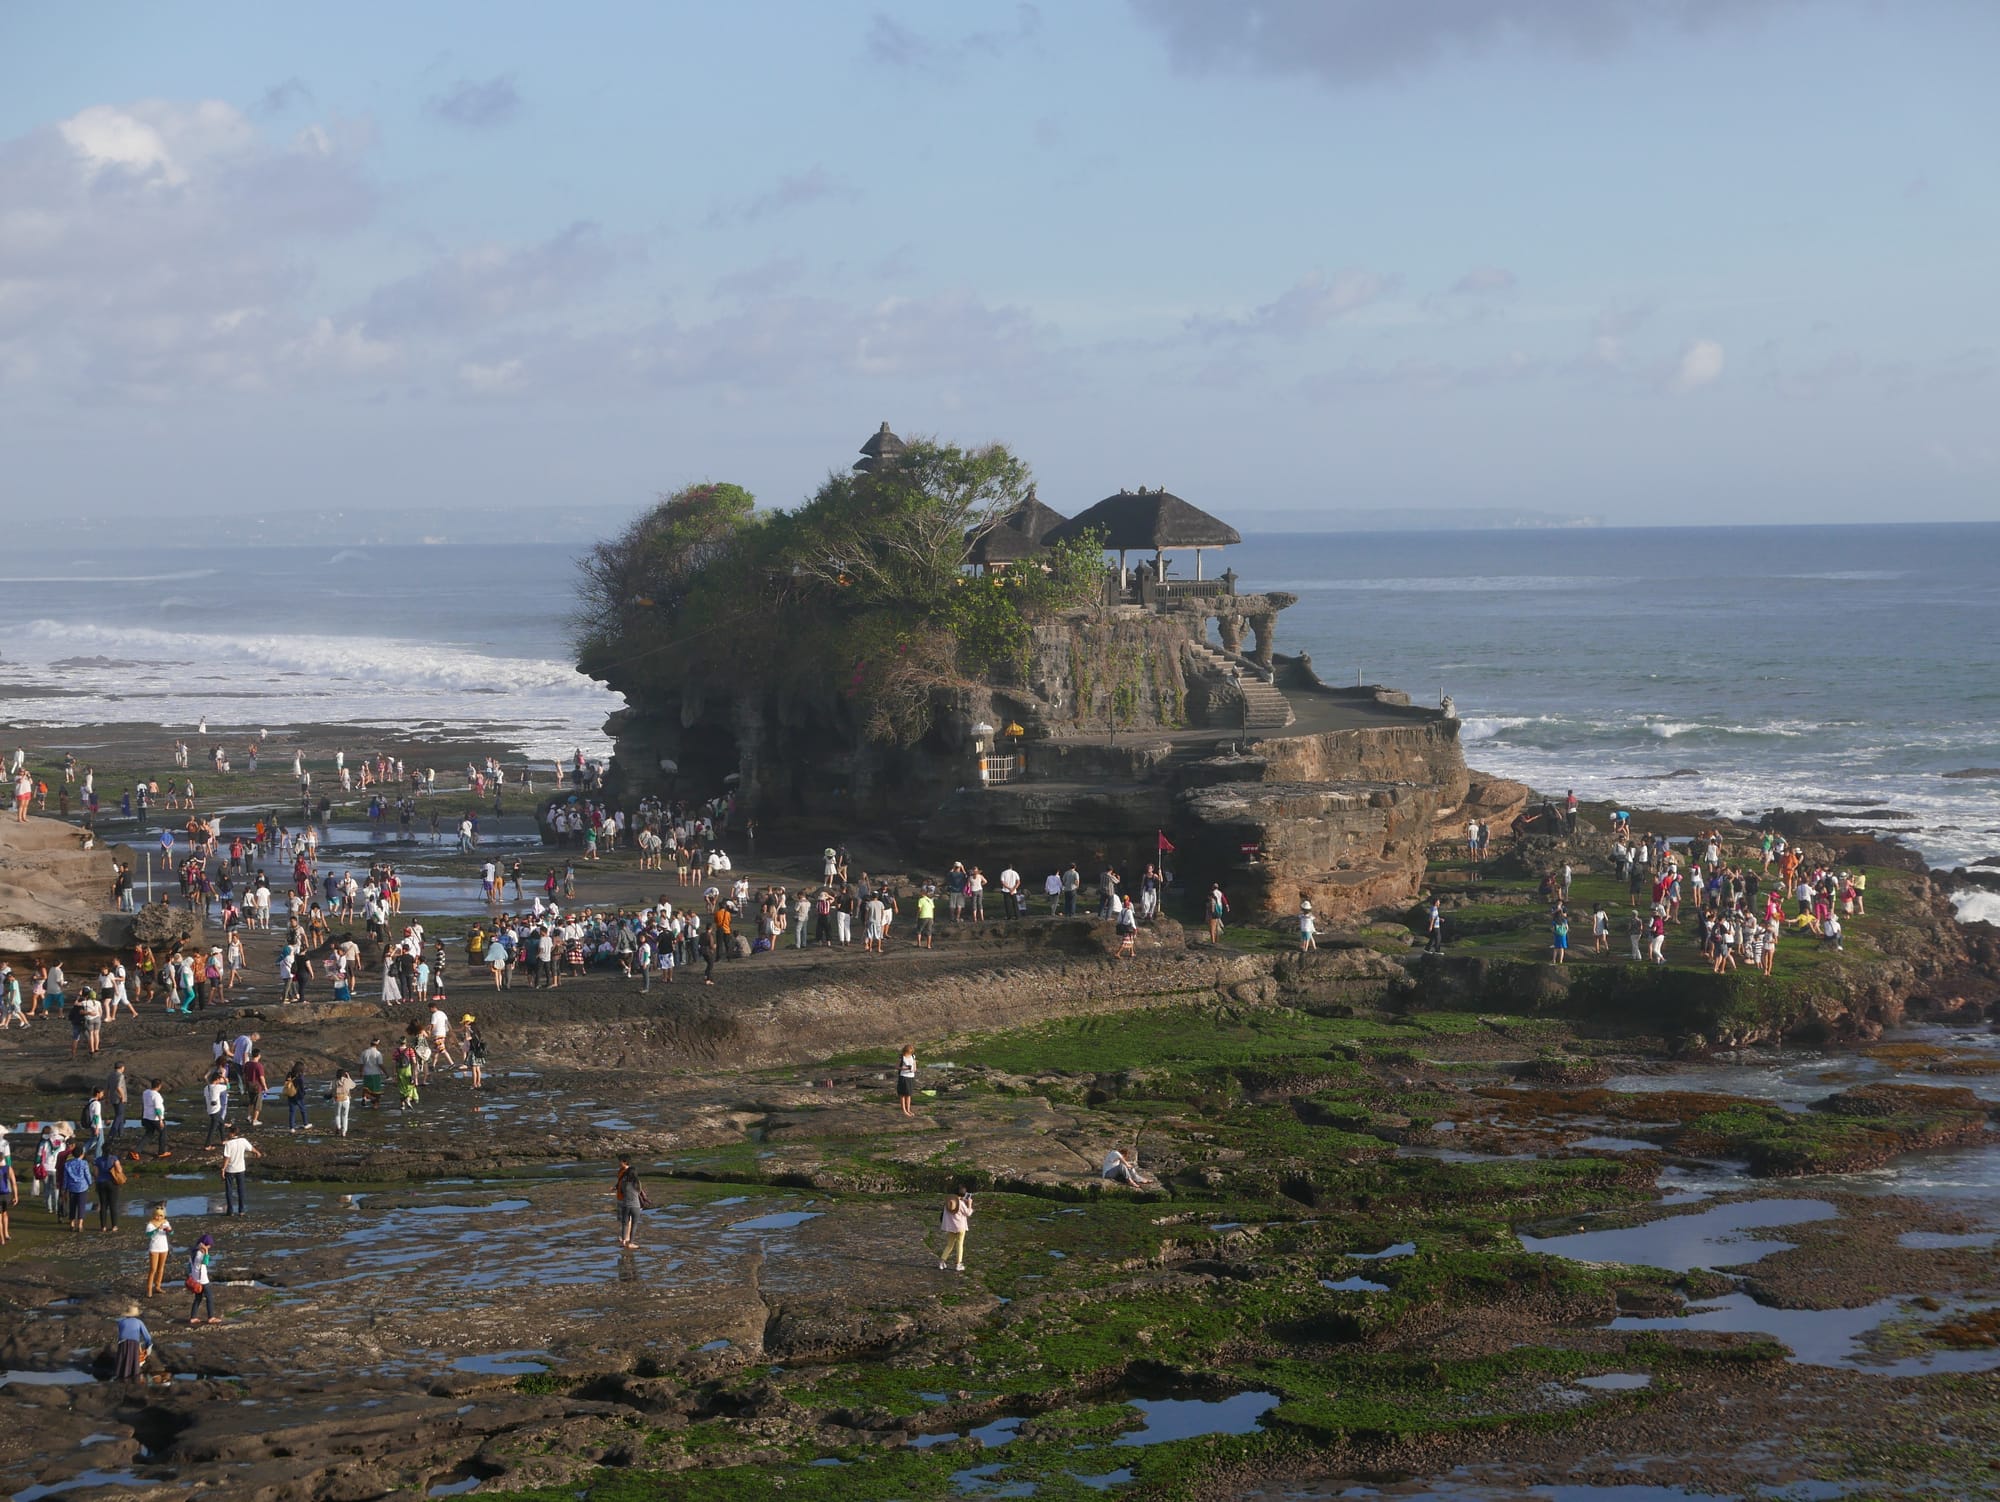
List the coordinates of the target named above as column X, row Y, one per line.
column 1655, row 261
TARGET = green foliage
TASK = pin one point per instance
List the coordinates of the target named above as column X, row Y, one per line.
column 638, row 587
column 861, row 591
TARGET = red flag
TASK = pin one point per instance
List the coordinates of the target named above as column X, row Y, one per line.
column 1166, row 845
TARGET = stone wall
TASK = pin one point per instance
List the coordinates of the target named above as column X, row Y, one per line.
column 1114, row 666
column 1425, row 750
column 1352, row 847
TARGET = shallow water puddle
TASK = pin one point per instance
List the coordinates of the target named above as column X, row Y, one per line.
column 1353, row 1285
column 63, row 1377
column 783, row 1220
column 78, row 1482
column 503, row 1364
column 1616, row 1145
column 1398, row 1249
column 1817, row 1337
column 978, row 1480
column 1186, row 1418
column 1681, row 1243
column 992, row 1435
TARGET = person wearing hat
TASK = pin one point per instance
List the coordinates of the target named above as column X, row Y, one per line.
column 473, row 1047
column 135, row 1344
column 1308, row 926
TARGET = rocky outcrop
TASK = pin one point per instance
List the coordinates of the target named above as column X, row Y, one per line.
column 1351, row 847
column 55, row 894
column 1495, row 801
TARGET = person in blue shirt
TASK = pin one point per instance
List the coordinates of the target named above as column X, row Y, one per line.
column 135, row 1344
column 76, row 1182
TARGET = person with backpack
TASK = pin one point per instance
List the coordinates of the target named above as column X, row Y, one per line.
column 294, row 1091
column 1218, row 909
column 475, row 1050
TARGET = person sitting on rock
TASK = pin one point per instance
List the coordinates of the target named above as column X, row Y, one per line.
column 1121, row 1169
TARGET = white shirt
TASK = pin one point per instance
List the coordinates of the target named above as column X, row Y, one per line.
column 213, row 1094
column 440, row 1024
column 152, row 1105
column 236, row 1155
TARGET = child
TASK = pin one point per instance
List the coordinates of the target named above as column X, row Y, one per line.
column 953, row 1223
column 158, row 1230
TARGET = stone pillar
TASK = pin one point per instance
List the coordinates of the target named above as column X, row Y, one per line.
column 1229, row 626
column 1264, row 625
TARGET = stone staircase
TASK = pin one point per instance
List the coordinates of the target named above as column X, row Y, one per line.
column 1264, row 706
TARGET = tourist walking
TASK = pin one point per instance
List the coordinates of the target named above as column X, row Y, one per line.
column 1218, row 909
column 906, row 1079
column 76, row 1181
column 109, row 1176
column 630, row 1196
column 295, row 1096
column 237, row 1151
column 343, row 1100
column 153, row 1120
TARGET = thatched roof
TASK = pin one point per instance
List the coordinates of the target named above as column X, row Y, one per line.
column 881, row 448
column 1015, row 536
column 1145, row 521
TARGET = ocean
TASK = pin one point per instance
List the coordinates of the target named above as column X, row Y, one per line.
column 1730, row 669
column 1734, row 669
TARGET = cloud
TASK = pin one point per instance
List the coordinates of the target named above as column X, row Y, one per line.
column 1700, row 365
column 795, row 190
column 479, row 104
column 1484, row 279
column 154, row 248
column 1310, row 303
column 488, row 284
column 1343, row 43
column 341, row 349
column 891, row 43
column 794, row 341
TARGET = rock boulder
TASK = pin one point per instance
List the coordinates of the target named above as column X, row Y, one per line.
column 55, row 895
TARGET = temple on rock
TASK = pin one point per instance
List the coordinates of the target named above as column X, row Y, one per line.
column 1158, row 713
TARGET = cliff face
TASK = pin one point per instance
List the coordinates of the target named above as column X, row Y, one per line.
column 1132, row 729
column 1342, row 815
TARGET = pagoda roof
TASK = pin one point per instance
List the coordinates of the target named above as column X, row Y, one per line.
column 1014, row 536
column 881, row 448
column 1147, row 521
